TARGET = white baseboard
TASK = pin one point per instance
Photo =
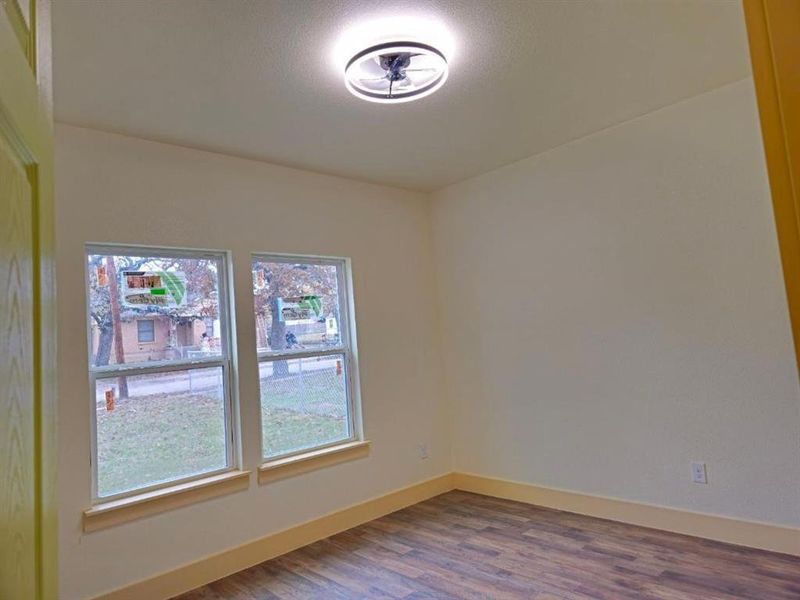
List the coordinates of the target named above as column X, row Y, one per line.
column 241, row 557
column 725, row 529
column 714, row 527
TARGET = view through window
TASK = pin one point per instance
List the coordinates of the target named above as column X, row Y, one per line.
column 159, row 367
column 305, row 353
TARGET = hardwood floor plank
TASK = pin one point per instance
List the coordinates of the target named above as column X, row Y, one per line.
column 463, row 545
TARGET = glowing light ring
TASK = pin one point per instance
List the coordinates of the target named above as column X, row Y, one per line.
column 416, row 93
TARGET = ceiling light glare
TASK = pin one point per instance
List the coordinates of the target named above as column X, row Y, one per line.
column 394, row 72
column 375, row 51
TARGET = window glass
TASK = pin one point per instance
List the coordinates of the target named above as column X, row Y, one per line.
column 159, row 367
column 146, row 330
column 297, row 305
column 180, row 294
column 305, row 407
column 169, row 426
column 305, row 354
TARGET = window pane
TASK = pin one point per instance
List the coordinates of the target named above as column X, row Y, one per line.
column 170, row 426
column 297, row 306
column 146, row 330
column 303, row 403
column 179, row 295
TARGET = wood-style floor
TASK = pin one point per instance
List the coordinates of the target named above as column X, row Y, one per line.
column 462, row 545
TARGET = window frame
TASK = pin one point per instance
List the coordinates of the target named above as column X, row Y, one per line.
column 225, row 361
column 152, row 331
column 347, row 347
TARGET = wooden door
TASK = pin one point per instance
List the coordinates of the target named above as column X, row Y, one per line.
column 27, row 325
column 773, row 28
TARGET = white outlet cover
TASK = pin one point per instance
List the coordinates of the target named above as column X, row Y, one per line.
column 699, row 472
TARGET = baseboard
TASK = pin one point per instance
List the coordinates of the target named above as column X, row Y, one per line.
column 724, row 529
column 230, row 561
column 714, row 527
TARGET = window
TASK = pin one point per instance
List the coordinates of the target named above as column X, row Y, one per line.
column 146, row 331
column 305, row 352
column 161, row 412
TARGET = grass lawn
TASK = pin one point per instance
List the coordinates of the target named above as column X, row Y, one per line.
column 158, row 437
column 299, row 413
column 153, row 438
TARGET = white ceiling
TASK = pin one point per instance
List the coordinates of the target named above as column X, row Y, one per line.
column 257, row 79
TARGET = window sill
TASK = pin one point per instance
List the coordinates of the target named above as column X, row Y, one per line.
column 311, row 461
column 123, row 510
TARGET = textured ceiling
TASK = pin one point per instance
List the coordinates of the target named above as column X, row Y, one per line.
column 257, row 79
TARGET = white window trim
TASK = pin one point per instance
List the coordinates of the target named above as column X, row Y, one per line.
column 347, row 347
column 225, row 361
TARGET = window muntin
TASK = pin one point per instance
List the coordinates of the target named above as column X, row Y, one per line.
column 305, row 355
column 162, row 410
column 146, row 331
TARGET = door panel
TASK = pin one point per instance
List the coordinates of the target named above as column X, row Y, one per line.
column 28, row 508
column 773, row 28
column 17, row 421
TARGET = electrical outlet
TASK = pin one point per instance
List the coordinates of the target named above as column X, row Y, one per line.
column 699, row 472
column 423, row 451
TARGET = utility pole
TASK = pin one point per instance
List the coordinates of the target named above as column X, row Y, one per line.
column 116, row 322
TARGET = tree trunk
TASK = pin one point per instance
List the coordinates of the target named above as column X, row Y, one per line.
column 104, row 340
column 116, row 322
column 277, row 338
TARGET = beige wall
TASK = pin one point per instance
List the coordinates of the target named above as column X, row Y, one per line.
column 610, row 310
column 117, row 189
column 613, row 309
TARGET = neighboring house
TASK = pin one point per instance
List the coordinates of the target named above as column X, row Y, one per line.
column 158, row 337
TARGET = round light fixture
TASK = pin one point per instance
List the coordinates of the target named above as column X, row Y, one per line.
column 396, row 72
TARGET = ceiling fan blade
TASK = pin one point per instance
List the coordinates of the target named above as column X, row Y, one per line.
column 403, row 83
